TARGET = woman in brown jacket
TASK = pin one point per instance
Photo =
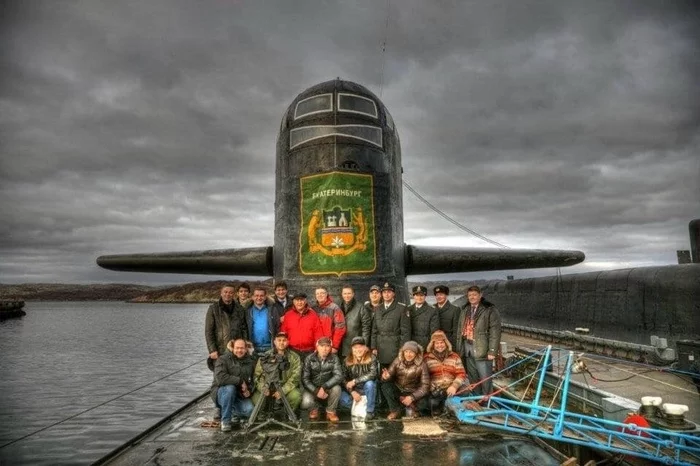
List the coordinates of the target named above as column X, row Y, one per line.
column 411, row 382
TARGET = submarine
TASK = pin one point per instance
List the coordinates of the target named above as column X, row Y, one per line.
column 339, row 208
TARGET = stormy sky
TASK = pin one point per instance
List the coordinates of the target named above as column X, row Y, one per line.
column 137, row 126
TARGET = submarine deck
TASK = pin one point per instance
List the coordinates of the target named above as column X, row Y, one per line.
column 378, row 442
column 442, row 440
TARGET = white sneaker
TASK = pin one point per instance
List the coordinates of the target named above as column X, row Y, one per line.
column 225, row 426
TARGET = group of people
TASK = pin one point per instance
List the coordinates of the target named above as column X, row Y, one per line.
column 330, row 355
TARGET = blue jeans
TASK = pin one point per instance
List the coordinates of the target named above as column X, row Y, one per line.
column 231, row 404
column 369, row 389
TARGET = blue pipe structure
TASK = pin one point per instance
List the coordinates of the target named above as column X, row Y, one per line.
column 665, row 446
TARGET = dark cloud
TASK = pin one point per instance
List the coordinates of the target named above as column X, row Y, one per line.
column 150, row 126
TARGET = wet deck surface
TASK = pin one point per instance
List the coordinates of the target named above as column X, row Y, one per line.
column 182, row 441
column 378, row 442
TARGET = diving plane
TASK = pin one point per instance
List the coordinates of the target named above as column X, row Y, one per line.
column 339, row 208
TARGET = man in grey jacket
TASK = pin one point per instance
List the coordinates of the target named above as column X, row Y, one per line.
column 477, row 338
column 358, row 320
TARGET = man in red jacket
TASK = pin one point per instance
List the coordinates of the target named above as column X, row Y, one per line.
column 302, row 326
column 332, row 318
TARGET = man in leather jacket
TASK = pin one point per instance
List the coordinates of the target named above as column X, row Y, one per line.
column 233, row 384
column 360, row 368
column 321, row 377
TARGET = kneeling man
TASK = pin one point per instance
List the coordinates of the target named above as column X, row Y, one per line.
column 233, row 379
column 321, row 377
column 411, row 382
column 279, row 370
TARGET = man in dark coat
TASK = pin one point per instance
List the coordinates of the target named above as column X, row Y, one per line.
column 321, row 376
column 283, row 301
column 243, row 295
column 233, row 384
column 391, row 327
column 358, row 320
column 225, row 321
column 478, row 337
column 372, row 305
column 424, row 318
column 448, row 313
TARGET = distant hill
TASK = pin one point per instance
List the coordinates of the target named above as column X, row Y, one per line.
column 63, row 292
column 198, row 292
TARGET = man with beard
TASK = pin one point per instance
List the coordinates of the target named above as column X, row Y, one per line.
column 447, row 375
column 448, row 313
column 233, row 384
column 358, row 320
column 424, row 319
column 321, row 377
column 302, row 325
column 285, row 373
column 332, row 318
column 478, row 337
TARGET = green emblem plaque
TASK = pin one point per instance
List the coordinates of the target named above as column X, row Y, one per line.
column 337, row 224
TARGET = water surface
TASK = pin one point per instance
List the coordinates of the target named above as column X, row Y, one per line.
column 79, row 379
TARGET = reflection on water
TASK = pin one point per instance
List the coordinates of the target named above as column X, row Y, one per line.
column 65, row 358
column 509, row 452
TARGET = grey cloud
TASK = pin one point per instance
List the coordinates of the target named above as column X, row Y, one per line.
column 136, row 127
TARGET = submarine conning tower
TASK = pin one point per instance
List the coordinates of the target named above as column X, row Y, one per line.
column 338, row 184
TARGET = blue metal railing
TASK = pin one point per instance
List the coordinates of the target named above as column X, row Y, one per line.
column 668, row 447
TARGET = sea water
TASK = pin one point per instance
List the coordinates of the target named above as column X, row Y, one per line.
column 79, row 379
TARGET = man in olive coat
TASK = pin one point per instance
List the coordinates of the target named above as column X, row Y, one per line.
column 424, row 318
column 358, row 320
column 391, row 327
column 225, row 321
column 478, row 337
